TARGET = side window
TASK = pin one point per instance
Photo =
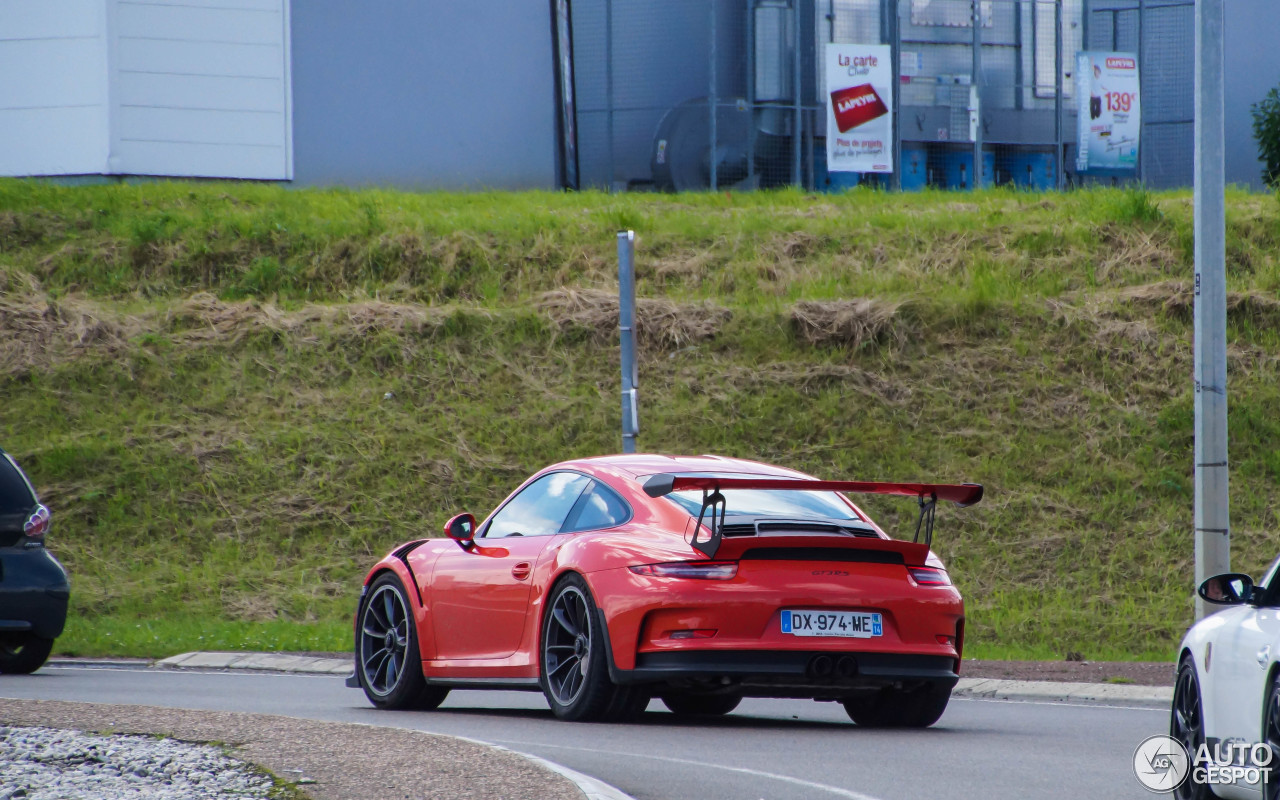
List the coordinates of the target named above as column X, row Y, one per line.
column 540, row 509
column 599, row 507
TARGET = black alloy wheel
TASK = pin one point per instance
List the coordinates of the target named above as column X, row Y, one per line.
column 1186, row 724
column 574, row 675
column 1271, row 735
column 389, row 661
column 23, row 653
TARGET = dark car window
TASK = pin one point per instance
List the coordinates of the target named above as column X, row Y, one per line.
column 541, row 508
column 15, row 494
column 599, row 507
column 772, row 503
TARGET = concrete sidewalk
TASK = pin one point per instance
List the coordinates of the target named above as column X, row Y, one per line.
column 971, row 688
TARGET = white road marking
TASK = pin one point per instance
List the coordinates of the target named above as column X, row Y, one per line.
column 822, row 787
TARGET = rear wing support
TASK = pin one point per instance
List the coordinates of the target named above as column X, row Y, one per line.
column 927, row 509
column 713, row 501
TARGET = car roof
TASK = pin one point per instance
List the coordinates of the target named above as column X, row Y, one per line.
column 640, row 465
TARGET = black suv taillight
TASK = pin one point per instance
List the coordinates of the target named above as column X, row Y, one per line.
column 37, row 525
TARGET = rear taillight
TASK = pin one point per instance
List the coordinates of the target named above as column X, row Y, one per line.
column 37, row 524
column 699, row 570
column 928, row 576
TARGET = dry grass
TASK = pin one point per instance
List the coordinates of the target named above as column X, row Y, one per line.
column 1177, row 300
column 849, row 322
column 661, row 324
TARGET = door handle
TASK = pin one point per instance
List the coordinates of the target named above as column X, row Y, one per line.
column 521, row 571
column 1264, row 656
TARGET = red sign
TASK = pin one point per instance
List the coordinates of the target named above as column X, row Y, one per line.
column 856, row 105
column 1120, row 63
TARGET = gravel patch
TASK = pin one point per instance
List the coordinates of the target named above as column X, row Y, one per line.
column 332, row 760
column 48, row 764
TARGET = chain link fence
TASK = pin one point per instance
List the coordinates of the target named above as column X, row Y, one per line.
column 675, row 95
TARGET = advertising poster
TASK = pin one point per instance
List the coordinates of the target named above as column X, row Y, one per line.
column 859, row 118
column 1110, row 116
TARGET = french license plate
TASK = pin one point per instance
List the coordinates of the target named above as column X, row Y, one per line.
column 853, row 624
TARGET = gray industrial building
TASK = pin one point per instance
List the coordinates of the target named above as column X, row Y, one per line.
column 498, row 94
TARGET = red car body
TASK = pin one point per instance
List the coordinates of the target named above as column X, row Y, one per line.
column 478, row 604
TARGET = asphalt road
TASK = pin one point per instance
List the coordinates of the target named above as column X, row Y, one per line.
column 767, row 749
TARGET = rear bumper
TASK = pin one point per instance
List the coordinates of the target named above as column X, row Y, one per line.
column 34, row 593
column 788, row 673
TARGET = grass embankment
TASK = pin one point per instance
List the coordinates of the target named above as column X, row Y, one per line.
column 235, row 398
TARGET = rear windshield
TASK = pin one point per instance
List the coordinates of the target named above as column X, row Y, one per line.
column 15, row 495
column 772, row 503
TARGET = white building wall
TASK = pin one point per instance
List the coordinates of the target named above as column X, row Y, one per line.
column 53, row 95
column 195, row 88
column 201, row 88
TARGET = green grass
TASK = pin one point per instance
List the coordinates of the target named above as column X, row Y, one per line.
column 194, row 375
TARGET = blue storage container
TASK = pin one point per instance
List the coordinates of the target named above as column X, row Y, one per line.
column 915, row 167
column 958, row 167
column 1033, row 169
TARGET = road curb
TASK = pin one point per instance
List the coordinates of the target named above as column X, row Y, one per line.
column 1064, row 692
column 971, row 688
column 265, row 662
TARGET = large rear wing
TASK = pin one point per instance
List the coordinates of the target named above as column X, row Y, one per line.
column 926, row 494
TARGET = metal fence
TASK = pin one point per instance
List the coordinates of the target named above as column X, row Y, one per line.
column 717, row 94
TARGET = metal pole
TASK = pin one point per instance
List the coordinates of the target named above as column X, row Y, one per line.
column 626, row 329
column 608, row 88
column 1212, row 528
column 975, row 95
column 711, row 98
column 796, row 85
column 751, row 91
column 1142, row 16
column 895, row 36
column 1059, row 169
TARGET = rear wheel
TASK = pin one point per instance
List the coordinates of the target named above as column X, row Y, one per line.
column 390, row 663
column 574, row 675
column 899, row 708
column 1186, row 724
column 701, row 704
column 23, row 653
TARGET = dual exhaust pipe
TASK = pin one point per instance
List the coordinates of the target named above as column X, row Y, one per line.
column 829, row 666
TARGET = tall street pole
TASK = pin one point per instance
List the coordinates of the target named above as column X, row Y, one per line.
column 1212, row 529
column 627, row 331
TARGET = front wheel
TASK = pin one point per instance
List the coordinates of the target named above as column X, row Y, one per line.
column 1271, row 735
column 23, row 653
column 1186, row 724
column 899, row 708
column 390, row 663
column 574, row 675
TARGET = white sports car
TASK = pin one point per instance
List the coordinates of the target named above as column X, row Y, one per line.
column 1226, row 702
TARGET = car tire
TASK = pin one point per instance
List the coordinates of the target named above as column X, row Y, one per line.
column 707, row 705
column 899, row 708
column 23, row 653
column 572, row 659
column 1271, row 735
column 388, row 660
column 1186, row 724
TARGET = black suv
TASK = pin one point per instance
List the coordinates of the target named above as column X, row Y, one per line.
column 33, row 586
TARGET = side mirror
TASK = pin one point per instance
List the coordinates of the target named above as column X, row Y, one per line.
column 462, row 529
column 1231, row 589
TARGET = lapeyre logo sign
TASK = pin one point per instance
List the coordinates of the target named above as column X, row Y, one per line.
column 1121, row 63
column 856, row 106
column 859, row 122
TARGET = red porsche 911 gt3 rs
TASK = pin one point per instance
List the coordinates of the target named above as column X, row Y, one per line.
column 604, row 582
